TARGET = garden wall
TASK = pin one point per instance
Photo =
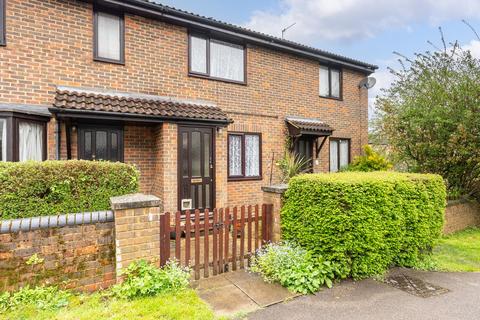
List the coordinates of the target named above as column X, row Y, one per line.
column 461, row 214
column 76, row 250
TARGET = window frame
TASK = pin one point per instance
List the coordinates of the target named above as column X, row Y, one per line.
column 96, row 57
column 207, row 74
column 349, row 140
column 94, row 127
column 3, row 23
column 242, row 177
column 330, row 68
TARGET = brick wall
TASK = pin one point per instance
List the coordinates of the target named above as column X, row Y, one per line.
column 461, row 214
column 43, row 52
column 81, row 255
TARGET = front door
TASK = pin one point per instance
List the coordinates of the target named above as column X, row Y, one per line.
column 98, row 142
column 196, row 165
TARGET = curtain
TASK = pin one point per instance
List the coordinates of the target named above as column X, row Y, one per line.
column 30, row 141
column 198, row 54
column 235, row 155
column 108, row 36
column 335, row 74
column 324, row 90
column 252, row 155
column 344, row 151
column 3, row 140
column 334, row 156
column 226, row 60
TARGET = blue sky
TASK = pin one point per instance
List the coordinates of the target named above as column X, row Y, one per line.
column 368, row 30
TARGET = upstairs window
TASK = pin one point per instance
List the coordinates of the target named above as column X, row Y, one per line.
column 244, row 156
column 216, row 59
column 339, row 154
column 109, row 37
column 3, row 13
column 330, row 82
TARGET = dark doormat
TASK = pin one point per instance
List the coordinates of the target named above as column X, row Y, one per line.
column 415, row 286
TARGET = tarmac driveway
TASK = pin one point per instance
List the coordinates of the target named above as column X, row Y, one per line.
column 369, row 299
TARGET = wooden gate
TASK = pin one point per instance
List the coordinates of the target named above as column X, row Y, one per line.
column 215, row 241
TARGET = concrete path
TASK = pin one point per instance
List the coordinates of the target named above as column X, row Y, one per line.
column 239, row 292
column 369, row 299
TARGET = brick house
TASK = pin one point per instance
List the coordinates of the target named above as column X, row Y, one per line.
column 203, row 108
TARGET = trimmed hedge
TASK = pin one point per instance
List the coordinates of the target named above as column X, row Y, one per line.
column 365, row 221
column 30, row 189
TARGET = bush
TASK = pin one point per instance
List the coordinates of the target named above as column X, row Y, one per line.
column 45, row 298
column 29, row 189
column 366, row 222
column 371, row 161
column 293, row 267
column 143, row 279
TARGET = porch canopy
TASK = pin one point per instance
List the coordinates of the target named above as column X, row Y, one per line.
column 309, row 128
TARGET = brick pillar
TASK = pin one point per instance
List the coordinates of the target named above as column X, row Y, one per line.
column 137, row 229
column 274, row 195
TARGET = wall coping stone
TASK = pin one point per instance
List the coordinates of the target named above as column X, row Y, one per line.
column 277, row 188
column 134, row 201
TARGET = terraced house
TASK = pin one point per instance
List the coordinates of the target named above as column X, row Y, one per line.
column 202, row 107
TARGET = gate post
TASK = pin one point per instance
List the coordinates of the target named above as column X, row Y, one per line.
column 273, row 196
column 164, row 238
column 137, row 229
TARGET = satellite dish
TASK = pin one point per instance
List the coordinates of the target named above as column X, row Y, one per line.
column 367, row 83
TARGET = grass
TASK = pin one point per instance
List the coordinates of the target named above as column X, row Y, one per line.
column 459, row 252
column 182, row 305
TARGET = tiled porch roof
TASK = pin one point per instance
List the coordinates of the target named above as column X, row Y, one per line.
column 299, row 125
column 149, row 106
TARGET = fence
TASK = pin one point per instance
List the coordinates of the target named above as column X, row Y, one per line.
column 222, row 239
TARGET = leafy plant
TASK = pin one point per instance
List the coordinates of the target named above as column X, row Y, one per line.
column 293, row 267
column 291, row 165
column 370, row 161
column 144, row 279
column 34, row 260
column 44, row 298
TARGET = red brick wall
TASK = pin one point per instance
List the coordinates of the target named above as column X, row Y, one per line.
column 460, row 215
column 43, row 52
column 83, row 256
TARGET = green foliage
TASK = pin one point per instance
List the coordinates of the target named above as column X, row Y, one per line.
column 291, row 165
column 29, row 189
column 293, row 267
column 366, row 222
column 370, row 161
column 143, row 279
column 429, row 116
column 43, row 298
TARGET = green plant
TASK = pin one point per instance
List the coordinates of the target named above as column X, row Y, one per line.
column 291, row 165
column 293, row 267
column 145, row 279
column 365, row 221
column 370, row 161
column 44, row 298
column 57, row 187
column 34, row 260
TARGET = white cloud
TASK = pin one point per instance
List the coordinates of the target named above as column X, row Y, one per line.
column 474, row 47
column 347, row 20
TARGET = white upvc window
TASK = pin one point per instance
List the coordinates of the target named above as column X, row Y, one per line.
column 339, row 154
column 109, row 37
column 330, row 82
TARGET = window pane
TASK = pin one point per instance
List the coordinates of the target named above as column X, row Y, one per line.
column 235, row 155
column 333, row 155
column 226, row 61
column 198, row 54
column 196, row 155
column 207, row 196
column 206, row 155
column 252, row 155
column 2, row 22
column 30, row 141
column 324, row 89
column 335, row 83
column 108, row 36
column 88, row 145
column 344, row 148
column 3, row 139
column 185, row 154
column 101, row 145
column 114, row 147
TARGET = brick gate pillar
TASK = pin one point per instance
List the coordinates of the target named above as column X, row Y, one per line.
column 274, row 195
column 137, row 229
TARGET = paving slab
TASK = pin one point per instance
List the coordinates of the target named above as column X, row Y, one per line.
column 227, row 300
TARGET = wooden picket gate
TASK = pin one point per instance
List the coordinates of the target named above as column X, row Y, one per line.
column 222, row 239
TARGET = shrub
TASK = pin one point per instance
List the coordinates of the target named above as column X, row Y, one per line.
column 30, row 189
column 143, row 279
column 370, row 161
column 293, row 267
column 366, row 222
column 291, row 165
column 45, row 298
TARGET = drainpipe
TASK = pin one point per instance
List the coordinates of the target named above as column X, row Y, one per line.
column 58, row 139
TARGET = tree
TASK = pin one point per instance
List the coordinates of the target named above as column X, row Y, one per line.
column 431, row 116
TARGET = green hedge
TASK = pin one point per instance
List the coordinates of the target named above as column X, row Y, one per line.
column 29, row 189
column 365, row 221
